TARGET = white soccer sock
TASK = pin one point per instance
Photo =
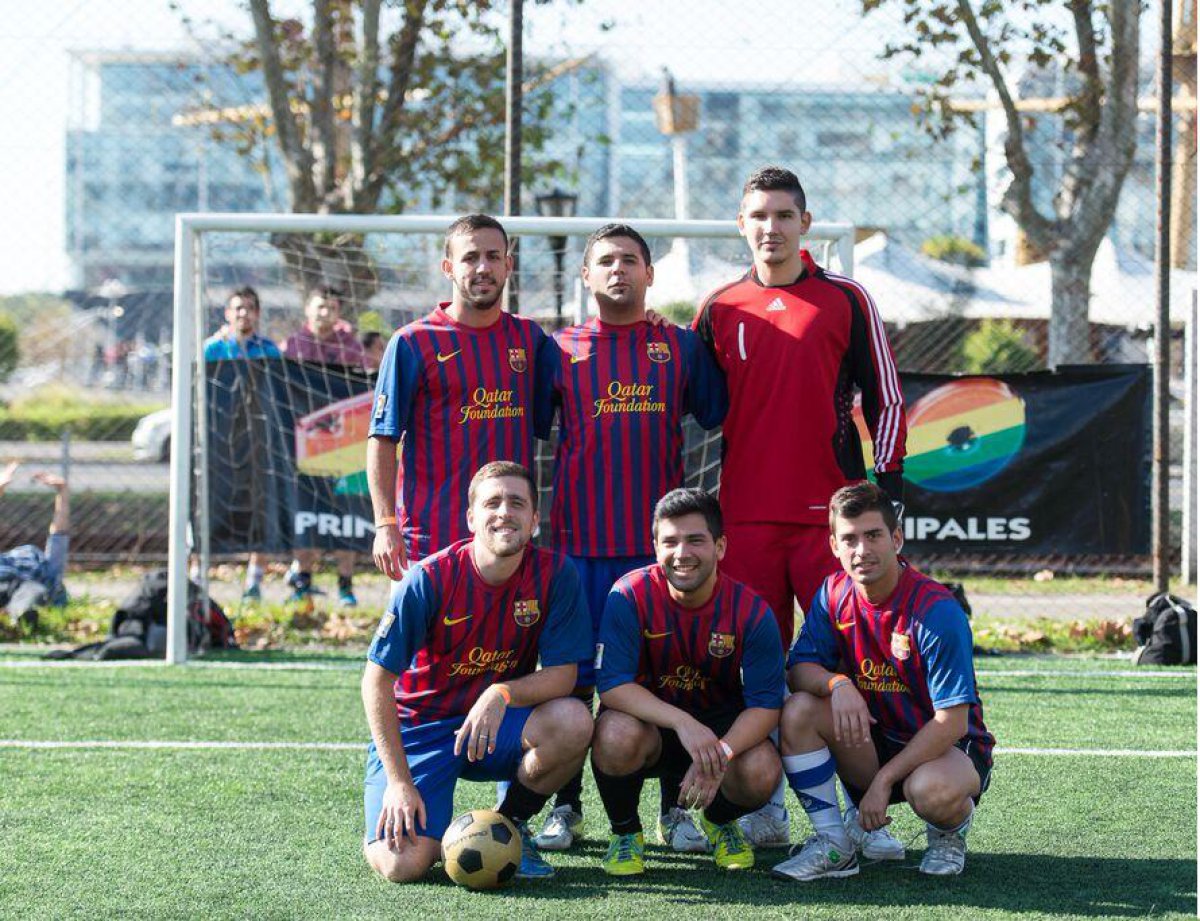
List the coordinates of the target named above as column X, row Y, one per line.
column 814, row 778
column 254, row 576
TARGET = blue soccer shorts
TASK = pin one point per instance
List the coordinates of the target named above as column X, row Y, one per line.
column 597, row 575
column 429, row 749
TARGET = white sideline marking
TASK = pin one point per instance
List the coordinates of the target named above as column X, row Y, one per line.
column 361, row 746
column 1069, row 673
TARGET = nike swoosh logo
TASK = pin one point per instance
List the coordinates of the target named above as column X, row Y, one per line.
column 576, row 359
column 442, row 357
column 457, row 620
column 655, row 636
column 844, row 626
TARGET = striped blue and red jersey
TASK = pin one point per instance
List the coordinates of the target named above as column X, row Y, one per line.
column 448, row 634
column 710, row 661
column 792, row 357
column 460, row 397
column 621, row 394
column 908, row 656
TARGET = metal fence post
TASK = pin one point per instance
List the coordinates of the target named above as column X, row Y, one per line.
column 1191, row 497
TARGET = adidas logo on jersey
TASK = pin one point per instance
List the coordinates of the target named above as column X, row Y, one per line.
column 776, row 305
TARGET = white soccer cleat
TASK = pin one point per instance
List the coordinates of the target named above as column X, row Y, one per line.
column 946, row 853
column 678, row 831
column 820, row 857
column 562, row 826
column 762, row 829
column 879, row 844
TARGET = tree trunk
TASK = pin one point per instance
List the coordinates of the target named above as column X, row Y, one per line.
column 1070, row 331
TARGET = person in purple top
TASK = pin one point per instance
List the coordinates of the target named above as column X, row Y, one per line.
column 327, row 339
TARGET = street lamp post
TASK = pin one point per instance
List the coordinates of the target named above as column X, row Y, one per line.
column 557, row 204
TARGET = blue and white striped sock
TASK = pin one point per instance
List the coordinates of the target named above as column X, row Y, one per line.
column 813, row 776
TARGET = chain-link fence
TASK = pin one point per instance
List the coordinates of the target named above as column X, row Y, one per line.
column 642, row 111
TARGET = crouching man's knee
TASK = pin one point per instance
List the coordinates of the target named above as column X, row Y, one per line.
column 406, row 865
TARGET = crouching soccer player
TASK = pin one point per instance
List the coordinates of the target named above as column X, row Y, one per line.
column 903, row 722
column 690, row 674
column 456, row 657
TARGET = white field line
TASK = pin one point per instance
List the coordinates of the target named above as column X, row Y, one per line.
column 1081, row 673
column 361, row 747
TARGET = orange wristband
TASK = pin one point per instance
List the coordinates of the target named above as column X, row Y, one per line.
column 503, row 691
column 727, row 748
column 383, row 522
column 836, row 680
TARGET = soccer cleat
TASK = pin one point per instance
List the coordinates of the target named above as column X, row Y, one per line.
column 677, row 831
column 347, row 598
column 562, row 826
column 820, row 857
column 731, row 850
column 533, row 865
column 252, row 594
column 625, row 855
column 762, row 829
column 946, row 851
column 879, row 844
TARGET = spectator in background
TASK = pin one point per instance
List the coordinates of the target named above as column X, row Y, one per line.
column 325, row 338
column 374, row 345
column 31, row 577
column 239, row 338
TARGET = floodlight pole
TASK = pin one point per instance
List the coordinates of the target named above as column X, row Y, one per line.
column 513, row 108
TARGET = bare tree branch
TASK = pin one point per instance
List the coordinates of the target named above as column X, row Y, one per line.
column 324, row 141
column 296, row 158
column 1089, row 61
column 365, row 92
column 1018, row 197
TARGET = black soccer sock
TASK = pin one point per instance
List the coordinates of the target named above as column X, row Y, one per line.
column 345, row 583
column 668, row 797
column 621, row 796
column 520, row 802
column 571, row 793
column 722, row 810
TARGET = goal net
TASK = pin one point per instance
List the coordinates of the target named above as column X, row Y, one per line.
column 268, row 452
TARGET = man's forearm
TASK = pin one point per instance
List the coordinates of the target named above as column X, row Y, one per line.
column 381, row 475
column 543, row 685
column 932, row 741
column 380, row 706
column 811, row 678
column 750, row 728
column 62, row 512
column 635, row 700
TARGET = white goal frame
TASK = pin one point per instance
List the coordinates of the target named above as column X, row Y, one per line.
column 187, row 391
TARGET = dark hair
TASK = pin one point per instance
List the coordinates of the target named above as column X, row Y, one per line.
column 370, row 337
column 493, row 470
column 331, row 292
column 776, row 179
column 688, row 501
column 246, row 293
column 854, row 501
column 616, row 230
column 470, row 222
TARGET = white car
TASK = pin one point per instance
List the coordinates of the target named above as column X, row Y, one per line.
column 152, row 437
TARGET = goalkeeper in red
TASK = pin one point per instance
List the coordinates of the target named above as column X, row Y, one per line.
column 884, row 698
column 795, row 341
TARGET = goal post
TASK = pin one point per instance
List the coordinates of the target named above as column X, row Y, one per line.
column 194, row 304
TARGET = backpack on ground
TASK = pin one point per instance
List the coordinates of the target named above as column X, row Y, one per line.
column 1166, row 633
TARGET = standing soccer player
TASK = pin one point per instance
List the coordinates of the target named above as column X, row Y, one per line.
column 456, row 658
column 690, row 672
column 459, row 386
column 622, row 386
column 794, row 340
column 885, row 696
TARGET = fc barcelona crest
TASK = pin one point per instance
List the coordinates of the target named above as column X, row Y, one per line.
column 900, row 646
column 720, row 645
column 658, row 351
column 526, row 613
column 517, row 361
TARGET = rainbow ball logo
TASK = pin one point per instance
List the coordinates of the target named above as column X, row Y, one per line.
column 961, row 434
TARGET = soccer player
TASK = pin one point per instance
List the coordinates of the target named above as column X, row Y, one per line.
column 456, row 657
column 885, row 696
column 791, row 334
column 240, row 338
column 690, row 672
column 622, row 386
column 459, row 386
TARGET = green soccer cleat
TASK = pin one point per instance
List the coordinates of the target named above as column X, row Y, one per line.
column 731, row 850
column 625, row 855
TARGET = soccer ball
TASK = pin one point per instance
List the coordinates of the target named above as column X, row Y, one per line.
column 481, row 850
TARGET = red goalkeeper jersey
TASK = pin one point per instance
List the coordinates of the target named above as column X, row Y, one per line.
column 793, row 356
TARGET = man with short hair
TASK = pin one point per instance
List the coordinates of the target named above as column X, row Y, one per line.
column 459, row 386
column 791, row 334
column 374, row 344
column 622, row 386
column 240, row 338
column 456, row 657
column 885, row 696
column 690, row 673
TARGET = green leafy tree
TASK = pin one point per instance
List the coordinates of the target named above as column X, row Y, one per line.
column 10, row 351
column 998, row 347
column 1095, row 44
column 958, row 250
